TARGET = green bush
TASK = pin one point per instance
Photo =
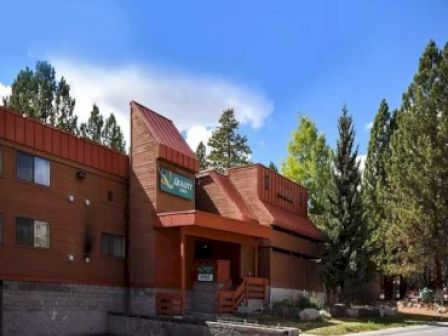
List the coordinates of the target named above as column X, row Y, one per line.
column 310, row 300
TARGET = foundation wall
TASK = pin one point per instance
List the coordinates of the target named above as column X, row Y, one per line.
column 35, row 308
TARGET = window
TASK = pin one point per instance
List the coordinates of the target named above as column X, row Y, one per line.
column 33, row 233
column 110, row 196
column 33, row 169
column 1, row 228
column 112, row 245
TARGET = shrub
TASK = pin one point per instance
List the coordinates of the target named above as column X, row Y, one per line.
column 311, row 300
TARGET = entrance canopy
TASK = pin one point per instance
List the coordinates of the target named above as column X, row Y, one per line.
column 201, row 219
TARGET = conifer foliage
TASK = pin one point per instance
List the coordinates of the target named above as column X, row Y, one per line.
column 202, row 156
column 417, row 234
column 346, row 262
column 39, row 95
column 375, row 187
column 228, row 147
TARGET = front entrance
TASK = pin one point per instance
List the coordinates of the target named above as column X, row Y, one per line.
column 207, row 250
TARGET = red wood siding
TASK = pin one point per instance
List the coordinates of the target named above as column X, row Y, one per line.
column 32, row 133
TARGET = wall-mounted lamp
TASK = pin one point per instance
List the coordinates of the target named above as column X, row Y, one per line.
column 87, row 259
column 87, row 202
column 81, row 174
column 71, row 198
column 70, row 257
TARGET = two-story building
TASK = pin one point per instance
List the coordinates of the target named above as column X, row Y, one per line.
column 85, row 230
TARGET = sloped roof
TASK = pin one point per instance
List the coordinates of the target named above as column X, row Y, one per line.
column 232, row 193
column 293, row 222
column 172, row 145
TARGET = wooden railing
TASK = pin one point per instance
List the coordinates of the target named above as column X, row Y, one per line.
column 169, row 304
column 250, row 288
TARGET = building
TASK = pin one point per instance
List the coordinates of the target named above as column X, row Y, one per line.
column 85, row 230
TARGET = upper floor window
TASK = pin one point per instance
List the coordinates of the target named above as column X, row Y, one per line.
column 110, row 196
column 33, row 169
column 112, row 245
column 32, row 232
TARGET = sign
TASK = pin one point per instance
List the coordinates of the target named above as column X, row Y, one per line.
column 205, row 273
column 176, row 184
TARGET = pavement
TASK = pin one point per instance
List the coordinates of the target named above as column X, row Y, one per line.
column 439, row 329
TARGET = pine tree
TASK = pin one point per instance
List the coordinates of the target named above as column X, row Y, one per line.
column 64, row 105
column 228, row 148
column 346, row 262
column 112, row 136
column 308, row 163
column 94, row 127
column 273, row 166
column 418, row 173
column 202, row 156
column 39, row 95
column 374, row 185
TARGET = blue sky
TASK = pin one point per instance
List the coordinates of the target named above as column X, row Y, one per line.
column 270, row 60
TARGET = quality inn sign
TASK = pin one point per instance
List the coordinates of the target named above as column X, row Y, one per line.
column 176, row 184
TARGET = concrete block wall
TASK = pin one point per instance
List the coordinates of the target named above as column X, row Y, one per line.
column 33, row 308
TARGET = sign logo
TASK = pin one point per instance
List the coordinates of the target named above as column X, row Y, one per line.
column 205, row 273
column 176, row 184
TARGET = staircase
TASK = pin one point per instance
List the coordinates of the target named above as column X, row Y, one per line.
column 204, row 298
column 251, row 289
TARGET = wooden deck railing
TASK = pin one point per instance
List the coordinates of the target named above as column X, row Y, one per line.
column 169, row 304
column 250, row 288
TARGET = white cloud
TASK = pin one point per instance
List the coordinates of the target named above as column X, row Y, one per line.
column 4, row 91
column 362, row 161
column 368, row 126
column 193, row 102
column 196, row 134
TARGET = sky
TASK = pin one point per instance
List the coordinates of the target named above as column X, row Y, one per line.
column 271, row 61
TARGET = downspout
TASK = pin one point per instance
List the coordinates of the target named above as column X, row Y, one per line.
column 127, row 303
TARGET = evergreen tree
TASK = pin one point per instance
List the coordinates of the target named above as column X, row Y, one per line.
column 202, row 156
column 228, row 148
column 93, row 128
column 308, row 163
column 39, row 95
column 346, row 262
column 418, row 173
column 112, row 136
column 273, row 166
column 63, row 115
column 375, row 186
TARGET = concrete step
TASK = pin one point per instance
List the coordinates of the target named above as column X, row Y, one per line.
column 198, row 296
column 204, row 307
column 206, row 286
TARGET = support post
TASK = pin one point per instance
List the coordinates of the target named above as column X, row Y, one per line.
column 256, row 259
column 183, row 271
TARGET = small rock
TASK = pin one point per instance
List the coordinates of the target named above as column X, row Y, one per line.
column 309, row 314
column 324, row 314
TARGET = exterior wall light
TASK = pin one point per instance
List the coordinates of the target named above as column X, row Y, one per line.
column 87, row 202
column 71, row 198
column 70, row 257
column 81, row 174
column 87, row 259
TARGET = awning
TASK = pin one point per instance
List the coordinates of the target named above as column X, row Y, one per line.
column 212, row 221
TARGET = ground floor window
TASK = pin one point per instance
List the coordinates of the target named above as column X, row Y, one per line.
column 112, row 245
column 32, row 232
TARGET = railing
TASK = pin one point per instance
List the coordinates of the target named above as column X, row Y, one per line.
column 169, row 304
column 250, row 288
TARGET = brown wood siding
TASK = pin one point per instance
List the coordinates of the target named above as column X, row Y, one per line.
column 280, row 191
column 295, row 244
column 142, row 197
column 288, row 271
column 69, row 222
column 211, row 198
